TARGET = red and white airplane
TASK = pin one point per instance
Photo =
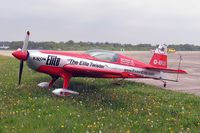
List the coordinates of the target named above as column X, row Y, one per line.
column 93, row 63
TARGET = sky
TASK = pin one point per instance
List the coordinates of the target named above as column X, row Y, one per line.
column 120, row 21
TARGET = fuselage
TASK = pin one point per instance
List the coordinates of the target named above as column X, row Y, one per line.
column 53, row 62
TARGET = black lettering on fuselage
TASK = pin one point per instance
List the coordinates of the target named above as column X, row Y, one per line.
column 139, row 72
column 39, row 59
column 52, row 60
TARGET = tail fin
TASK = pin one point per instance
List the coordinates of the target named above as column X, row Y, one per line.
column 159, row 58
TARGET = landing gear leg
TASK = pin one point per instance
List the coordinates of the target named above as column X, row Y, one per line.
column 52, row 81
column 66, row 78
column 64, row 91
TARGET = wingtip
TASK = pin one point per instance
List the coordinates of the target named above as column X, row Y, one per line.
column 182, row 71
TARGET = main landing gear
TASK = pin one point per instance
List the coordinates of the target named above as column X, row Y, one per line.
column 48, row 85
column 60, row 91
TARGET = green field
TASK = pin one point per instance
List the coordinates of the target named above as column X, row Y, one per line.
column 100, row 107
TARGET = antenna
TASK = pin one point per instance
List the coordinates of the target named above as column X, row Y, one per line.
column 179, row 65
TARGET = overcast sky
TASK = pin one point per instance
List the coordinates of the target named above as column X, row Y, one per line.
column 123, row 21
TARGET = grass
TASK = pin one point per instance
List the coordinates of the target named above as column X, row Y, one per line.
column 100, row 107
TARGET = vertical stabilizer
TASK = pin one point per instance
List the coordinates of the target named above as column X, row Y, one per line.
column 159, row 58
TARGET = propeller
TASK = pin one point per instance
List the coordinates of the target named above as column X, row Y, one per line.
column 22, row 55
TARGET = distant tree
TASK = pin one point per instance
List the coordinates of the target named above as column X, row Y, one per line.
column 70, row 42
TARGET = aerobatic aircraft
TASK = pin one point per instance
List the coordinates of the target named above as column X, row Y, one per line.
column 92, row 63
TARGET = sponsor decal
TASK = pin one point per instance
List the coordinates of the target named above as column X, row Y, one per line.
column 39, row 59
column 85, row 63
column 139, row 72
column 52, row 60
column 126, row 61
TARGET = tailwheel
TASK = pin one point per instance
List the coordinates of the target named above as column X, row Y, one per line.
column 164, row 83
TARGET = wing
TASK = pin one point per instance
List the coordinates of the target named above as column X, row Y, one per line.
column 97, row 72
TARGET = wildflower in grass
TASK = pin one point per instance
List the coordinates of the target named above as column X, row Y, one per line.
column 150, row 113
column 89, row 126
column 136, row 110
column 62, row 126
column 100, row 109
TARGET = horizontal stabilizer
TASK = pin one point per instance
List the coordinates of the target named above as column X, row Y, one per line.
column 167, row 70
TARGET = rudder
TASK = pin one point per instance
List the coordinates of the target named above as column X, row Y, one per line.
column 159, row 58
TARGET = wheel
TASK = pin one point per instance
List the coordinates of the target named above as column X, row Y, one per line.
column 165, row 84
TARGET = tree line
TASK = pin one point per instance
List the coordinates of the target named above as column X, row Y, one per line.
column 71, row 45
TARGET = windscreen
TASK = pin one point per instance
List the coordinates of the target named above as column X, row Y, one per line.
column 103, row 55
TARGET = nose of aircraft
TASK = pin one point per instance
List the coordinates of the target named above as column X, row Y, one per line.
column 19, row 54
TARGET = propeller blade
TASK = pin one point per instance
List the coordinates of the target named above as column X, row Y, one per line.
column 22, row 55
column 21, row 65
column 25, row 45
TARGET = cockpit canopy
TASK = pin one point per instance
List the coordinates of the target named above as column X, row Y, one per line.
column 103, row 55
